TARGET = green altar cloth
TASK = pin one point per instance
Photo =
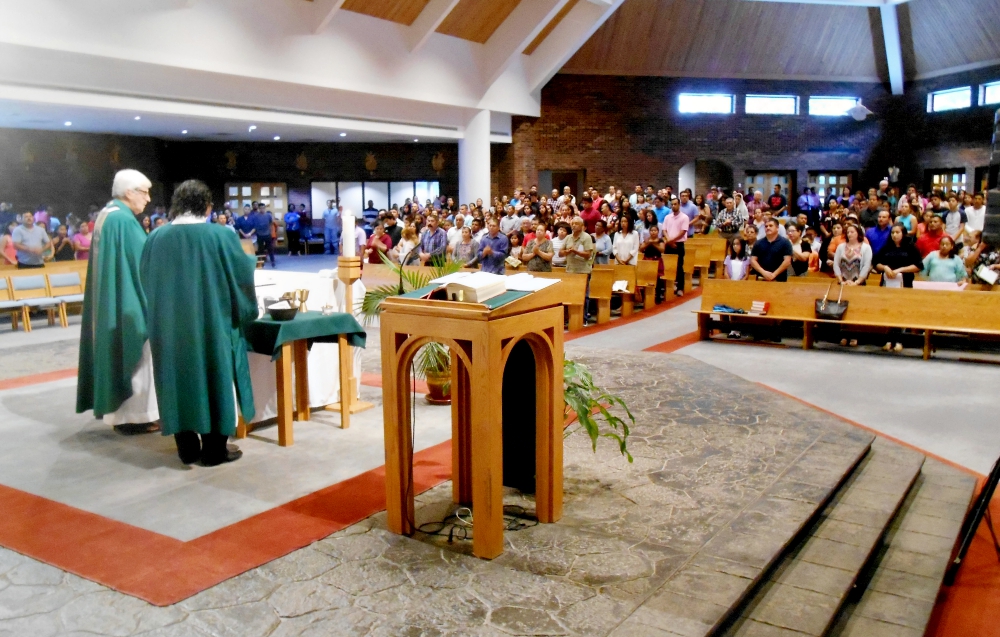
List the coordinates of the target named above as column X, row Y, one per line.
column 266, row 336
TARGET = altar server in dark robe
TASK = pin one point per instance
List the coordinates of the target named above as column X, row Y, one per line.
column 199, row 299
column 115, row 367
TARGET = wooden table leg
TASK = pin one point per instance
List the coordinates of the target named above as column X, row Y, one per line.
column 927, row 344
column 300, row 350
column 283, row 372
column 241, row 427
column 347, row 383
column 807, row 335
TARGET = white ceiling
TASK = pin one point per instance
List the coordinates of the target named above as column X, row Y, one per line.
column 46, row 116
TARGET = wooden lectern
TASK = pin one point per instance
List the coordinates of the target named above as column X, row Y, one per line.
column 480, row 340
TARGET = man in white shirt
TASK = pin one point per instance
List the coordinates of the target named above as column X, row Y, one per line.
column 633, row 198
column 975, row 217
column 455, row 232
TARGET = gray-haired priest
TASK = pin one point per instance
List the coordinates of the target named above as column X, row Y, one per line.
column 115, row 367
column 200, row 290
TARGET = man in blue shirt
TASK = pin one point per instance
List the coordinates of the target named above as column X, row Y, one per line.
column 689, row 209
column 244, row 225
column 879, row 234
column 433, row 242
column 660, row 209
column 370, row 214
column 493, row 249
column 292, row 230
column 331, row 227
column 262, row 226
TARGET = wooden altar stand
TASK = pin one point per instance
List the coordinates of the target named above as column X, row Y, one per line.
column 480, row 340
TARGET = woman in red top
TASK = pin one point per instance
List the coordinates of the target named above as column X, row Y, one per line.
column 377, row 244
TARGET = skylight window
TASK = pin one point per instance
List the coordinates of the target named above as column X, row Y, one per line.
column 772, row 104
column 827, row 106
column 705, row 103
column 989, row 93
column 949, row 99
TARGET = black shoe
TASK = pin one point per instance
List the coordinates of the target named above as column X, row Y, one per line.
column 233, row 454
column 190, row 460
column 133, row 429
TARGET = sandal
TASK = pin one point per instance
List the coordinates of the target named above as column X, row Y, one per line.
column 843, row 342
column 898, row 348
column 853, row 342
column 887, row 347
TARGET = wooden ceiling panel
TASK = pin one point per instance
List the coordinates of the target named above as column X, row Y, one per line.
column 953, row 33
column 731, row 38
column 401, row 11
column 476, row 20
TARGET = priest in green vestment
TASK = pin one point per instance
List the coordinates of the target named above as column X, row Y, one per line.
column 115, row 365
column 199, row 299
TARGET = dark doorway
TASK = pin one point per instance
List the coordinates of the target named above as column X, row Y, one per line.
column 985, row 177
column 572, row 179
column 519, row 419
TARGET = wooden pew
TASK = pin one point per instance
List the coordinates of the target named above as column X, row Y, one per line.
column 967, row 312
column 627, row 273
column 601, row 280
column 645, row 280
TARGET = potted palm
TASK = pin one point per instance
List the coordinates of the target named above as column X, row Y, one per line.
column 433, row 361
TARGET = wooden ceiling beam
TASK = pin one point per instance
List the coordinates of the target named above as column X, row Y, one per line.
column 512, row 37
column 893, row 47
column 325, row 11
column 582, row 21
column 428, row 21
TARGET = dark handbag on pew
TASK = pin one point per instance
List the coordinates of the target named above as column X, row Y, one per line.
column 831, row 311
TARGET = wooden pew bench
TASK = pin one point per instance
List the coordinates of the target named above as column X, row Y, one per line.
column 970, row 312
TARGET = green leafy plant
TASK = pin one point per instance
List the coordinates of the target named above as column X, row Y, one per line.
column 591, row 405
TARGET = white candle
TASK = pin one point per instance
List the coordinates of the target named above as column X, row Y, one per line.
column 347, row 233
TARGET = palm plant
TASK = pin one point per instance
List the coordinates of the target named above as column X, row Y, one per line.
column 589, row 401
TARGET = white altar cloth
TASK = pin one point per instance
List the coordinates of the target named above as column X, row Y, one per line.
column 324, row 358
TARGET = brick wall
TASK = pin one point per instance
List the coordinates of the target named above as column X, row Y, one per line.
column 626, row 130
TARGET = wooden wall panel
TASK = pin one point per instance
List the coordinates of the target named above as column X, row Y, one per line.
column 732, row 38
column 476, row 20
column 952, row 33
column 401, row 11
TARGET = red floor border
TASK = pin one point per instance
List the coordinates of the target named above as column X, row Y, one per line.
column 636, row 316
column 163, row 570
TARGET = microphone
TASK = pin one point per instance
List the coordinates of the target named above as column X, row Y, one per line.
column 401, row 262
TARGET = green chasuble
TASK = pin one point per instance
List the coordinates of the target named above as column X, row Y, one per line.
column 113, row 329
column 200, row 296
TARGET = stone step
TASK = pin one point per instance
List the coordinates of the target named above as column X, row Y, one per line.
column 804, row 592
column 907, row 576
column 699, row 596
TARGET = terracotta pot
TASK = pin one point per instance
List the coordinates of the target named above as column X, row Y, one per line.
column 439, row 387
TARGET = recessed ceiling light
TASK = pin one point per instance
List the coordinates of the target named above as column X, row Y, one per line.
column 343, row 134
column 277, row 137
column 184, row 132
column 67, row 123
column 252, row 128
column 137, row 118
column 416, row 140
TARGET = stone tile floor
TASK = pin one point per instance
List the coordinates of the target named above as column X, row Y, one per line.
column 724, row 473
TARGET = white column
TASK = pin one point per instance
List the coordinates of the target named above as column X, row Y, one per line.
column 474, row 160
